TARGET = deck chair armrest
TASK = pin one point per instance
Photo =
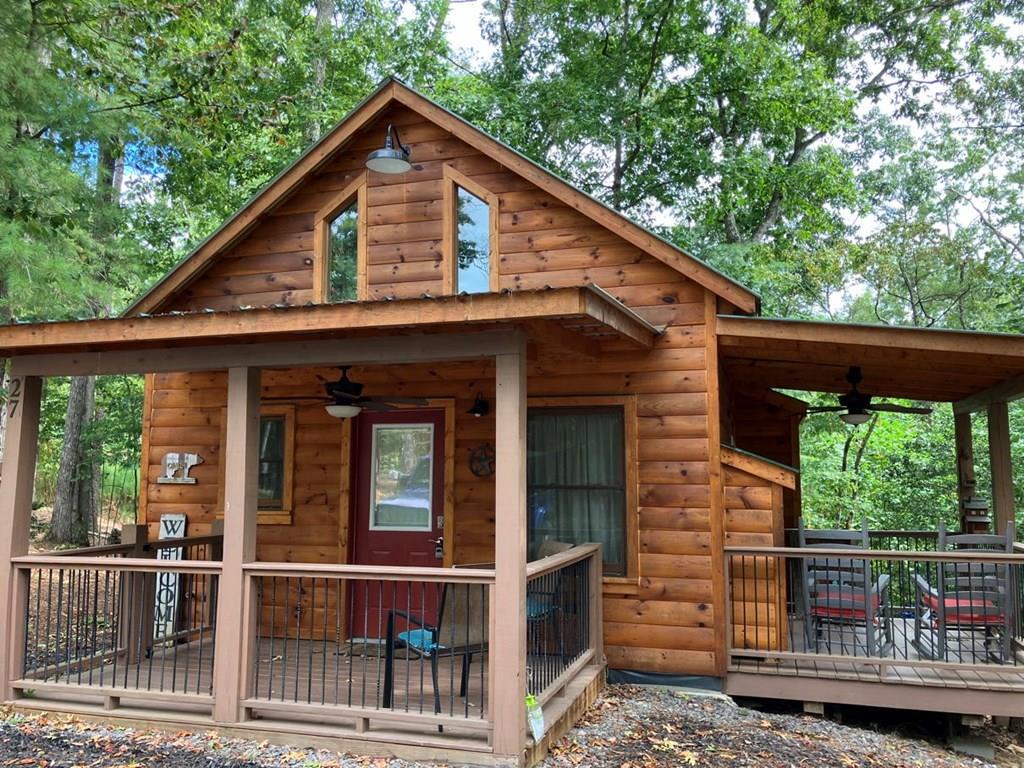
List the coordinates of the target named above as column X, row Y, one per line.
column 412, row 618
column 923, row 587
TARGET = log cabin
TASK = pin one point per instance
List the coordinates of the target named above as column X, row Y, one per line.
column 434, row 442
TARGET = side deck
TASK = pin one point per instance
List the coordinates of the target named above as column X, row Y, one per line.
column 887, row 643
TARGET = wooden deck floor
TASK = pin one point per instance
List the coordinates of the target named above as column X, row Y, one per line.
column 297, row 673
column 968, row 664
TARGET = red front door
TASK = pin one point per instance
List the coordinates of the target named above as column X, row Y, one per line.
column 399, row 511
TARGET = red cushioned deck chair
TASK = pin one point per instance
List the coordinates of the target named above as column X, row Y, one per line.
column 842, row 593
column 970, row 603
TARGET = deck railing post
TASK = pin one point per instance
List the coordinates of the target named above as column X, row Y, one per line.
column 19, row 467
column 138, row 595
column 508, row 641
column 235, row 623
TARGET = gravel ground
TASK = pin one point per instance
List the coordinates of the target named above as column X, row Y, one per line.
column 629, row 727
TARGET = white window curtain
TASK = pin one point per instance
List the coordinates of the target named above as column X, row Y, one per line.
column 576, row 480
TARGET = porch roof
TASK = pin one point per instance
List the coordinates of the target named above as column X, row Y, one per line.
column 964, row 367
column 577, row 318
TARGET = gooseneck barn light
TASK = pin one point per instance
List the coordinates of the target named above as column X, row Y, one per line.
column 392, row 158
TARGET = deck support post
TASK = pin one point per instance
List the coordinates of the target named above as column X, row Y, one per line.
column 966, row 484
column 235, row 625
column 1001, row 464
column 508, row 640
column 19, row 469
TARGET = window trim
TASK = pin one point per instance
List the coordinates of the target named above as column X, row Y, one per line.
column 629, row 582
column 354, row 190
column 283, row 514
column 454, row 178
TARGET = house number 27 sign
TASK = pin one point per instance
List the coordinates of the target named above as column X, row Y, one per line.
column 13, row 397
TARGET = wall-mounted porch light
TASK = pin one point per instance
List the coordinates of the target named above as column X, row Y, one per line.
column 390, row 159
column 480, row 406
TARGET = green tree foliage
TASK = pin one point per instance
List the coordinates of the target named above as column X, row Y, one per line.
column 857, row 161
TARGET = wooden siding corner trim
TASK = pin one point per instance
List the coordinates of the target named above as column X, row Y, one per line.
column 147, row 423
column 716, row 496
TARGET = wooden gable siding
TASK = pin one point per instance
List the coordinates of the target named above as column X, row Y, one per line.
column 542, row 241
column 666, row 619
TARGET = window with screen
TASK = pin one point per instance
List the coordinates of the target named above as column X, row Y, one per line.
column 270, row 493
column 276, row 462
column 343, row 255
column 473, row 243
column 576, row 480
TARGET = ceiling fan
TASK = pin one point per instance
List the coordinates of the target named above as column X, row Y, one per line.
column 858, row 406
column 345, row 399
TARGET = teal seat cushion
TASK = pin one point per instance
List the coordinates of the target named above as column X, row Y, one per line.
column 538, row 606
column 421, row 640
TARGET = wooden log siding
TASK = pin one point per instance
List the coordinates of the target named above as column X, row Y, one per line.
column 662, row 619
column 753, row 490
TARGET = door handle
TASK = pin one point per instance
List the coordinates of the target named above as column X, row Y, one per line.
column 438, row 547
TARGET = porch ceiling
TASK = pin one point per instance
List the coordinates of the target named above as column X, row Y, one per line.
column 916, row 363
column 578, row 318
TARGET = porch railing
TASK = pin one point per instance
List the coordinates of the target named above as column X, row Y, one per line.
column 921, row 616
column 118, row 627
column 372, row 645
column 563, row 619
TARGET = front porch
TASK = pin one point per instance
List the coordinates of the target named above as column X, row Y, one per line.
column 418, row 661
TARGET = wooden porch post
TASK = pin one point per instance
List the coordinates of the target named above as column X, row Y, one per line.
column 508, row 641
column 964, row 442
column 235, row 624
column 19, row 469
column 1002, row 466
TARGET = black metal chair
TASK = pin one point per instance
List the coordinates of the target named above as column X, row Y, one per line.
column 460, row 630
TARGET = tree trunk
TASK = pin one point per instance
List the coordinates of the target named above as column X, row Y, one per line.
column 68, row 525
column 324, row 16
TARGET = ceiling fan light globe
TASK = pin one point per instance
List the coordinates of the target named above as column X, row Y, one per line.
column 388, row 160
column 339, row 411
column 855, row 418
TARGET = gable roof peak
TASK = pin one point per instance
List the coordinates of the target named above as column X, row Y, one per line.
column 392, row 90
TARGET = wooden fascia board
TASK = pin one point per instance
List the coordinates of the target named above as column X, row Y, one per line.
column 1004, row 392
column 924, row 339
column 385, row 350
column 279, row 323
column 758, row 466
column 601, row 305
column 694, row 269
column 263, row 201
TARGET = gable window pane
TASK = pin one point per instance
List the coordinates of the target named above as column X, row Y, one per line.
column 474, row 243
column 271, row 485
column 576, row 489
column 342, row 255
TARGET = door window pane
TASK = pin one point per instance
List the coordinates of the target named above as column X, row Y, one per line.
column 401, row 488
column 474, row 240
column 576, row 487
column 270, row 494
column 343, row 256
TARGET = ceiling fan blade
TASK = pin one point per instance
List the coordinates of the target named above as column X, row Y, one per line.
column 402, row 400
column 296, row 399
column 375, row 405
column 895, row 408
column 826, row 409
